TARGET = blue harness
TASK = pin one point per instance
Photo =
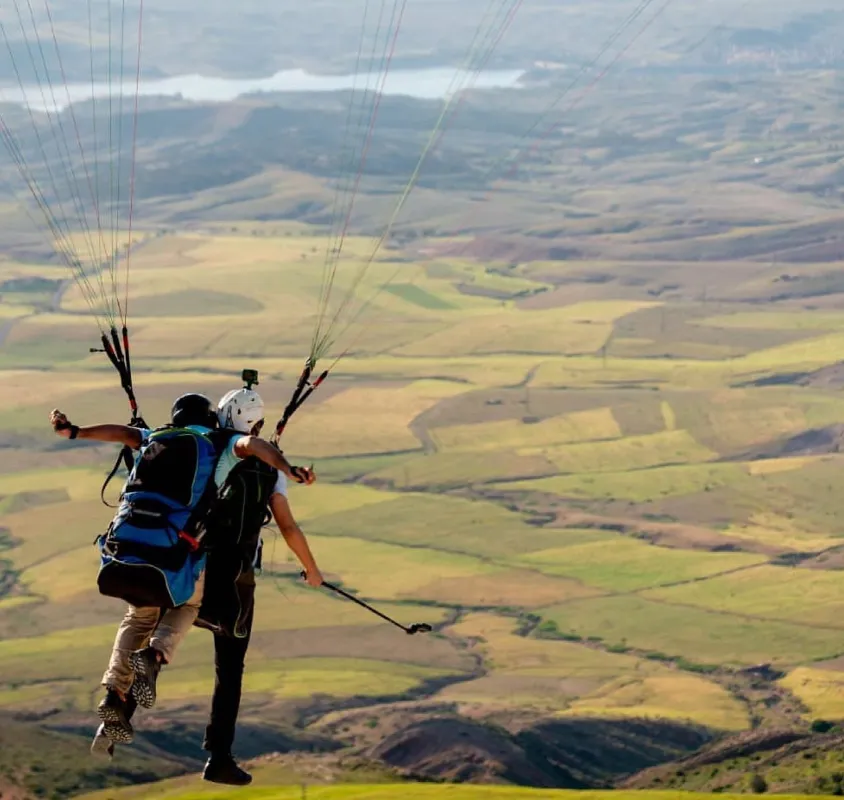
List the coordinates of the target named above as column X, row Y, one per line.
column 151, row 554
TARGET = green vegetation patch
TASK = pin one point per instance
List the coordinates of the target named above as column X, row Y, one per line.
column 461, row 469
column 630, row 565
column 297, row 678
column 805, row 596
column 418, row 296
column 194, row 303
column 579, row 426
column 633, row 452
column 444, row 523
column 639, row 486
column 411, row 791
column 692, row 636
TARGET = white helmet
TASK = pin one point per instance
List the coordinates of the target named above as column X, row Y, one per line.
column 240, row 409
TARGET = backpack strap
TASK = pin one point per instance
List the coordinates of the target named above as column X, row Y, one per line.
column 125, row 456
column 220, row 439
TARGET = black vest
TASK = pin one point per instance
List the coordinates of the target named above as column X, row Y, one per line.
column 233, row 542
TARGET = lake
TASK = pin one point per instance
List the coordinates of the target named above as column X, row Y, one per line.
column 428, row 84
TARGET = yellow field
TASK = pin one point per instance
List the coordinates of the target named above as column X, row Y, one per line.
column 821, row 690
column 323, row 499
column 62, row 577
column 46, row 532
column 463, row 468
column 391, row 572
column 510, row 588
column 483, row 436
column 513, row 331
column 668, row 415
column 781, row 533
column 571, row 680
column 781, row 320
column 810, row 353
column 343, row 424
column 774, row 465
column 289, row 607
column 78, row 484
column 737, row 421
column 681, row 697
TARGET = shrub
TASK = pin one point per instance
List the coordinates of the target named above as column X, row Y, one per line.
column 758, row 785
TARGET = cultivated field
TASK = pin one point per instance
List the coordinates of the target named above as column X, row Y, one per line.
column 587, row 532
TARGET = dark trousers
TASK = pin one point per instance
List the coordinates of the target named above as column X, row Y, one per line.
column 229, row 658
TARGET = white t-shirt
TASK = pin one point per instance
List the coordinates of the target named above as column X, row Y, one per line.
column 228, row 461
column 280, row 484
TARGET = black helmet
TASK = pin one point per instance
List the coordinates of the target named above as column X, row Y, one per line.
column 193, row 409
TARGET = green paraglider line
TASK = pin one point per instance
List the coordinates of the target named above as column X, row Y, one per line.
column 477, row 57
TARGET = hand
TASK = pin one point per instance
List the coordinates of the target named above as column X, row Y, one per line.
column 313, row 578
column 304, row 475
column 61, row 424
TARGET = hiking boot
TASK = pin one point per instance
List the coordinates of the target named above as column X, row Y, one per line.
column 222, row 768
column 112, row 711
column 146, row 665
column 102, row 745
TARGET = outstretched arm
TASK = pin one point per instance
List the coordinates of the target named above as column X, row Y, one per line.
column 294, row 538
column 247, row 446
column 121, row 434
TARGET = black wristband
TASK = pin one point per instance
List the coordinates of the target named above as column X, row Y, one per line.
column 74, row 431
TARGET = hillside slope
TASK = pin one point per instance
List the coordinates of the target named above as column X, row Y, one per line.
column 781, row 761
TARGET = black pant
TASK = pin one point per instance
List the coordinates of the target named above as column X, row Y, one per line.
column 229, row 658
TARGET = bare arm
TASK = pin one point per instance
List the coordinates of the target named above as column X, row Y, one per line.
column 247, row 446
column 120, row 434
column 294, row 537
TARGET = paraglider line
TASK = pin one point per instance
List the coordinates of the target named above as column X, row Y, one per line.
column 449, row 112
column 588, row 89
column 94, row 197
column 348, row 152
column 368, row 142
column 525, row 154
column 62, row 220
column 57, row 130
column 134, row 152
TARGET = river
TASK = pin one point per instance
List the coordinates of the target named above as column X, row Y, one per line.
column 433, row 83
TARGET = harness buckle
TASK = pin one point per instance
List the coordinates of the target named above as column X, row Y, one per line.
column 190, row 541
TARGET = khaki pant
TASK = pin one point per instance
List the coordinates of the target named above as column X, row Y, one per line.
column 142, row 627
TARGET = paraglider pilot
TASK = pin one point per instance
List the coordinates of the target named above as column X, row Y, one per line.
column 152, row 554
